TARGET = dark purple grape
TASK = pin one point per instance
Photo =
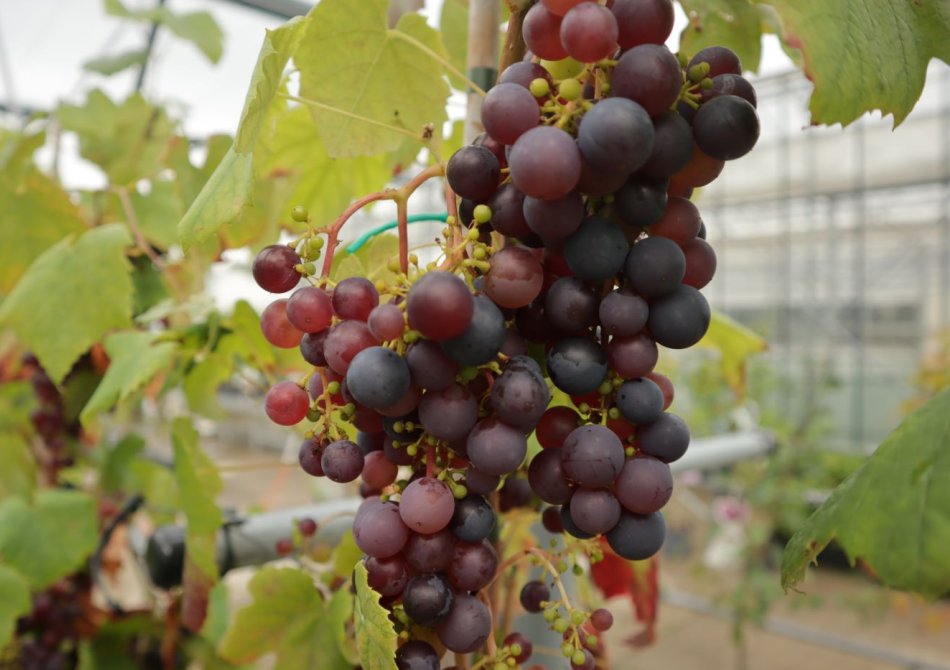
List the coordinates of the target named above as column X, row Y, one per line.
column 523, row 73
column 342, row 461
column 519, row 397
column 417, row 655
column 596, row 251
column 515, row 492
column 547, row 478
column 589, row 32
column 286, row 403
column 387, row 576
column 310, row 310
column 430, row 553
column 551, row 520
column 507, row 212
column 679, row 320
column 440, row 306
column 473, row 172
column 672, row 146
column 643, row 21
column 623, row 314
column 555, row 425
column 592, row 456
column 632, row 357
column 431, row 368
column 570, row 527
column 473, row 565
column 545, row 162
column 467, row 626
column 474, row 519
column 599, row 182
column 377, row 377
column 448, row 414
column 667, row 438
column 654, row 267
column 426, row 505
column 386, row 322
column 594, row 511
column 508, row 111
column 726, row 127
column 522, row 642
column 344, row 341
column 641, row 201
column 514, row 278
column 542, row 33
column 514, row 344
column 721, row 60
column 640, row 400
column 645, row 484
column 275, row 270
column 700, row 263
column 577, row 365
column 311, row 451
column 354, row 298
column 637, row 537
column 533, row 595
column 680, row 221
column 649, row 75
column 378, row 471
column 496, row 448
column 730, row 84
column 378, row 529
column 616, row 135
column 428, row 599
column 311, row 348
column 554, row 220
column 480, row 482
column 571, row 305
column 481, row 341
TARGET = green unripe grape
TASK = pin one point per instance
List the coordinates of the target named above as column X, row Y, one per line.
column 591, row 640
column 567, row 649
column 578, row 658
column 479, row 253
column 577, row 617
column 539, row 87
column 605, row 88
column 550, row 614
column 398, row 427
column 605, row 388
column 682, row 58
column 629, row 451
column 613, row 413
column 333, row 388
column 500, row 666
column 473, row 234
column 698, row 72
column 570, row 89
column 584, row 408
column 561, row 625
column 299, row 214
column 482, row 213
column 412, row 450
column 515, row 649
column 313, row 414
column 578, row 570
column 564, row 68
column 706, row 84
column 511, row 662
column 460, row 491
column 317, row 242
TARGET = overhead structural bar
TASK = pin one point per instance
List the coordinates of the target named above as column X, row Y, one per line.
column 284, row 9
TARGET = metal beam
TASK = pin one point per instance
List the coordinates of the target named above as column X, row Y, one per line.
column 285, row 9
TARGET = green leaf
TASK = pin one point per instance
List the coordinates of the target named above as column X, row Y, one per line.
column 226, row 193
column 37, row 213
column 345, row 556
column 350, row 61
column 893, row 512
column 109, row 65
column 453, row 24
column 340, row 621
column 286, row 616
column 279, row 45
column 190, row 179
column 735, row 344
column 17, row 467
column 72, row 295
column 198, row 486
column 49, row 539
column 158, row 213
column 116, row 462
column 865, row 55
column 734, row 23
column 219, row 611
column 14, row 602
column 377, row 639
column 134, row 358
column 127, row 141
column 200, row 29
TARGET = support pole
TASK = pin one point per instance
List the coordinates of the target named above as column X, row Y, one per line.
column 483, row 22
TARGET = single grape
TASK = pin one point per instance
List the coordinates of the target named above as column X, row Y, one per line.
column 524, row 644
column 533, row 324
column 569, row 526
column 680, row 222
column 286, row 403
column 655, row 267
column 554, row 220
column 473, row 520
column 667, row 438
column 599, row 182
column 275, row 270
column 428, row 599
column 617, row 134
column 378, row 529
column 666, row 386
column 515, row 492
column 672, row 146
column 345, row 340
column 560, row 7
column 588, row 662
column 377, row 377
column 431, row 368
column 311, row 451
column 508, row 111
column 551, row 520
column 571, row 305
column 311, row 348
column 701, row 170
column 310, row 310
column 355, row 298
column 468, row 624
column 589, row 32
column 417, row 655
column 342, row 461
column 426, row 505
column 643, row 21
column 405, row 428
column 514, row 344
column 430, row 553
column 514, row 278
column 555, row 425
column 637, row 537
column 507, row 208
column 407, row 403
column 721, row 60
column 498, row 150
column 482, row 339
column 480, row 482
column 541, row 31
column 640, row 400
column 594, row 511
column 730, row 84
column 473, row 565
column 496, row 448
column 277, row 328
column 387, row 576
column 448, row 414
column 577, row 365
column 592, row 456
column 533, row 594
column 632, row 357
column 545, row 161
column 597, row 250
column 386, row 322
column 641, row 201
column 519, row 397
column 547, row 479
column 440, row 306
column 473, row 172
column 378, row 471
column 307, row 527
column 680, row 319
column 649, row 75
column 700, row 263
column 645, row 484
column 622, row 314
column 726, row 127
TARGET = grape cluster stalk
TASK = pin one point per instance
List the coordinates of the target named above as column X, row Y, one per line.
column 572, row 255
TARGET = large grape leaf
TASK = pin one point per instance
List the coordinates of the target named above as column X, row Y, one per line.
column 735, row 343
column 198, row 486
column 37, row 213
column 134, row 358
column 17, row 467
column 72, row 295
column 893, row 512
column 286, row 616
column 279, row 45
column 351, row 62
column 377, row 639
column 453, row 24
column 223, row 198
column 733, row 23
column 49, row 538
column 14, row 602
column 199, row 28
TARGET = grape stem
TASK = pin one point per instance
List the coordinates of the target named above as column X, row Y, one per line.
column 419, row 136
column 334, row 232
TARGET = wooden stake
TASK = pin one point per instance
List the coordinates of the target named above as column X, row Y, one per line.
column 483, row 21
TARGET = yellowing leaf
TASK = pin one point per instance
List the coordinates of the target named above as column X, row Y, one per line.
column 893, row 512
column 735, row 343
column 352, row 62
column 134, row 358
column 72, row 295
column 377, row 639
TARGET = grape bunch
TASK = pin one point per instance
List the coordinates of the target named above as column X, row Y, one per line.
column 54, row 430
column 48, row 637
column 575, row 254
